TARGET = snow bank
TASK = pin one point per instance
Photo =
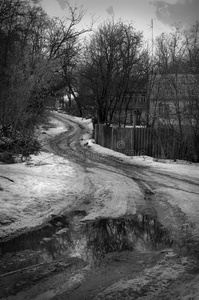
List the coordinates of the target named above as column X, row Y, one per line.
column 30, row 192
column 180, row 167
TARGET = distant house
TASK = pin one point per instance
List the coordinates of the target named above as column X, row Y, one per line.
column 173, row 96
column 67, row 100
column 131, row 107
column 132, row 110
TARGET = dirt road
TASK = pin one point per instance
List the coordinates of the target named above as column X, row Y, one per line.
column 132, row 233
column 127, row 189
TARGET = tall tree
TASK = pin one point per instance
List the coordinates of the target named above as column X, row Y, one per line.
column 33, row 50
column 174, row 102
column 114, row 65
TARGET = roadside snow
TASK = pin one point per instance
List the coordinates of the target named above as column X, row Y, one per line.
column 38, row 189
column 180, row 167
column 30, row 192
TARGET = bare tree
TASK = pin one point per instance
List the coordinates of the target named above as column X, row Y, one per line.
column 34, row 51
column 114, row 64
column 174, row 101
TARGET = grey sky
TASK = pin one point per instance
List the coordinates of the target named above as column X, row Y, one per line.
column 184, row 11
column 140, row 12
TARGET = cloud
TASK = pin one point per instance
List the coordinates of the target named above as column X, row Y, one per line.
column 62, row 4
column 184, row 11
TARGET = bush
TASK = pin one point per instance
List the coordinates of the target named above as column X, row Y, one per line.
column 24, row 147
column 6, row 157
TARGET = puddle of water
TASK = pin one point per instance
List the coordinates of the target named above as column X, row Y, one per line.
column 55, row 239
column 139, row 232
column 32, row 239
column 65, row 237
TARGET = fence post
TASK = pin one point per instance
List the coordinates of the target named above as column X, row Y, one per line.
column 96, row 129
column 112, row 138
column 100, row 134
column 174, row 146
column 153, row 143
column 103, row 135
column 144, row 141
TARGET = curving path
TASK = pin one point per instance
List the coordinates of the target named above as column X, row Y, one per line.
column 122, row 188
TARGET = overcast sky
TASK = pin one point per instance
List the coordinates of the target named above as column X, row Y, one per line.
column 140, row 12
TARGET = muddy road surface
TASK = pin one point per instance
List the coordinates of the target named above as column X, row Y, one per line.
column 133, row 233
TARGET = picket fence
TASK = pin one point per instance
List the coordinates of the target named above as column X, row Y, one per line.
column 154, row 142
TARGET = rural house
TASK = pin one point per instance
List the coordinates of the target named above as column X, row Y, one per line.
column 133, row 107
column 173, row 98
column 132, row 110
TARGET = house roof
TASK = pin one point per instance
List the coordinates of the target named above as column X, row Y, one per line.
column 167, row 86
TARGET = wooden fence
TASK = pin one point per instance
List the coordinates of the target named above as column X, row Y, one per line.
column 158, row 143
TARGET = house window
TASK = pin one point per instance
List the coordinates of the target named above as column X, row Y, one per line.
column 143, row 99
column 163, row 110
column 135, row 98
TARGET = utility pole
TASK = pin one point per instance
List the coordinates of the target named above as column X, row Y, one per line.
column 152, row 40
column 150, row 73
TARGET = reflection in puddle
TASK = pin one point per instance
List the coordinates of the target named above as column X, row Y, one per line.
column 138, row 232
column 65, row 237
